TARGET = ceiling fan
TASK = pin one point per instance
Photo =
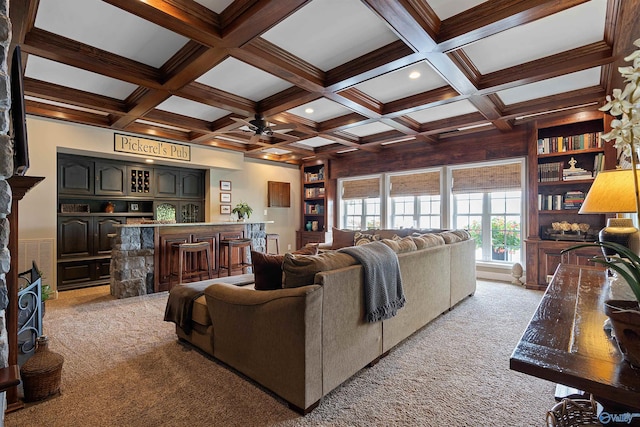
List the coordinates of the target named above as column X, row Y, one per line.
column 260, row 127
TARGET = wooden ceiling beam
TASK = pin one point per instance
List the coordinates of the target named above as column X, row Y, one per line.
column 217, row 98
column 65, row 95
column 66, row 51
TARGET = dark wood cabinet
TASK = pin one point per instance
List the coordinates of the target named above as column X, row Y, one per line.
column 167, row 183
column 84, row 249
column 75, row 176
column 110, row 179
column 86, row 184
column 191, row 184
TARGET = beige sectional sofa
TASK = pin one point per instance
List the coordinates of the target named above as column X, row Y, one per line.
column 303, row 342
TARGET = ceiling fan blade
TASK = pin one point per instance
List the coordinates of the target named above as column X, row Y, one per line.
column 254, row 139
column 283, row 127
column 243, row 121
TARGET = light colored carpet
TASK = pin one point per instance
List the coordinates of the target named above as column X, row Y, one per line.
column 124, row 367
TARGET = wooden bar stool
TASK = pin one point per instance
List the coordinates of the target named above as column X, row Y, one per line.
column 190, row 261
column 227, row 246
column 276, row 238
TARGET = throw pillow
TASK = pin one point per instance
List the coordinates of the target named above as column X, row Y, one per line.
column 463, row 234
column 450, row 237
column 342, row 238
column 267, row 270
column 420, row 242
column 309, row 249
column 300, row 270
column 433, row 239
column 363, row 238
column 405, row 244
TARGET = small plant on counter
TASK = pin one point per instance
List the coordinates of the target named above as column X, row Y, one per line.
column 243, row 210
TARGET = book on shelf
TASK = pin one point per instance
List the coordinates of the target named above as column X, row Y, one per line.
column 560, row 144
column 556, row 202
column 548, row 172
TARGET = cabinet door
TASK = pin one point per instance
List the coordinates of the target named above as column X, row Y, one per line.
column 192, row 184
column 190, row 212
column 75, row 237
column 166, row 210
column 166, row 183
column 75, row 176
column 110, row 179
column 102, row 227
column 550, row 257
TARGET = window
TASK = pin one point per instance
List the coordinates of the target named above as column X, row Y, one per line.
column 487, row 201
column 360, row 207
column 415, row 200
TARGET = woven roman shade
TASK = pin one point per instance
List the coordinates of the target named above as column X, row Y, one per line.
column 361, row 188
column 506, row 177
column 417, row 184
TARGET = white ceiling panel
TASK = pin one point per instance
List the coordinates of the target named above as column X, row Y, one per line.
column 448, row 8
column 76, row 78
column 398, row 85
column 354, row 31
column 101, row 25
column 239, row 78
column 578, row 80
column 453, row 109
column 369, row 129
column 186, row 107
column 570, row 29
column 216, row 6
column 314, row 142
column 323, row 109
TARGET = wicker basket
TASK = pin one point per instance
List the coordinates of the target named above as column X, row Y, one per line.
column 41, row 374
column 573, row 412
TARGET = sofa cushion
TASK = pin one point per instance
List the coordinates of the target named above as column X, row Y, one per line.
column 200, row 314
column 400, row 244
column 433, row 239
column 342, row 238
column 364, row 238
column 463, row 234
column 300, row 270
column 450, row 237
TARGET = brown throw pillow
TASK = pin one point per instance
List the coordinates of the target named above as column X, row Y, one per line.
column 267, row 271
column 309, row 249
column 342, row 238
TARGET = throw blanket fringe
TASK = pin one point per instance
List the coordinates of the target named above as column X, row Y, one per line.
column 383, row 291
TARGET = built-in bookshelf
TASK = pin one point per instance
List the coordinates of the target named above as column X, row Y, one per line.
column 565, row 156
column 315, row 219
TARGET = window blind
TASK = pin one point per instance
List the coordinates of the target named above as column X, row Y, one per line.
column 361, row 188
column 506, row 177
column 417, row 184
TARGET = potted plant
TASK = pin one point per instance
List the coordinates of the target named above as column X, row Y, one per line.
column 243, row 210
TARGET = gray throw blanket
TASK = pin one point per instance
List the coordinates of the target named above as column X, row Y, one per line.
column 181, row 298
column 383, row 294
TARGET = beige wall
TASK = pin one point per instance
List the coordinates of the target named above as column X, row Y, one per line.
column 249, row 178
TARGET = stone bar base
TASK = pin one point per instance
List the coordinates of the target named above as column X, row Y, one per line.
column 137, row 252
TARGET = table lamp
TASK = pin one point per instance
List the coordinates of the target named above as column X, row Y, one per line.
column 613, row 192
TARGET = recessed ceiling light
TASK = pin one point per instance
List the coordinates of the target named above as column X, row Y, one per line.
column 308, row 110
column 148, row 160
column 414, row 75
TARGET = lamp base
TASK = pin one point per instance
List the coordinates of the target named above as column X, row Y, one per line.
column 622, row 231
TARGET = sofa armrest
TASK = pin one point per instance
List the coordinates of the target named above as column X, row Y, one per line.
column 273, row 337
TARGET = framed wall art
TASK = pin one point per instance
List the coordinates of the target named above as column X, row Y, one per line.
column 225, row 209
column 225, row 197
column 225, row 185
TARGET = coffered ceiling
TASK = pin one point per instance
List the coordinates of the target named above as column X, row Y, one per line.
column 335, row 76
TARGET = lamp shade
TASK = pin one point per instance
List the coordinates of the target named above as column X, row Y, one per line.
column 611, row 192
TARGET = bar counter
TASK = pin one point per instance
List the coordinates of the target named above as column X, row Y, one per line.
column 140, row 252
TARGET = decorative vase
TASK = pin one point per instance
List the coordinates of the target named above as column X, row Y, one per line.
column 109, row 208
column 308, row 226
column 619, row 230
column 314, row 226
column 625, row 320
column 41, row 374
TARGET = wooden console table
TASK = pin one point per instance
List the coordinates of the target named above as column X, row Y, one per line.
column 565, row 341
